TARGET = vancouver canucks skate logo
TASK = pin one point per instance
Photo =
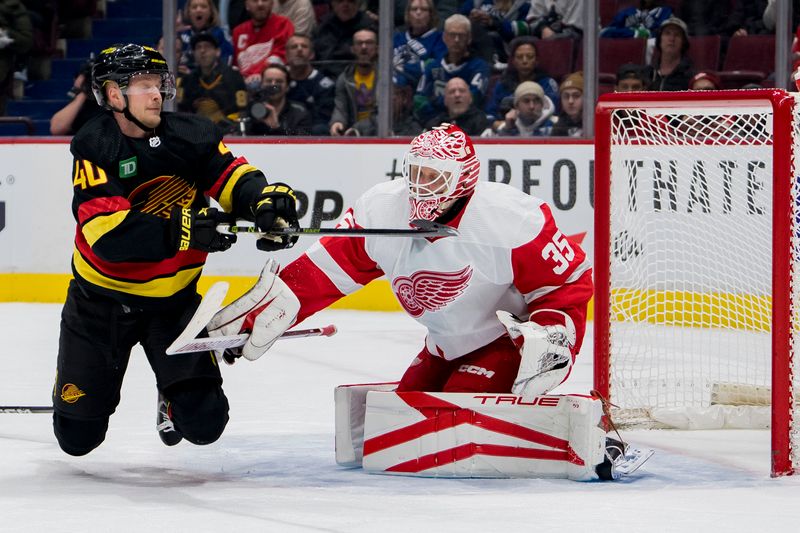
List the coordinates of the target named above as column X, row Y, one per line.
column 426, row 290
column 159, row 195
column 71, row 393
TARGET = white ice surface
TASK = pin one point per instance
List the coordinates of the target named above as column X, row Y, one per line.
column 274, row 470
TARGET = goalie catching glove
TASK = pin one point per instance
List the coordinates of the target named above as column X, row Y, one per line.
column 546, row 353
column 265, row 312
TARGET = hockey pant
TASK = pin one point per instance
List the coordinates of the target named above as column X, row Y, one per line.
column 97, row 335
column 491, row 368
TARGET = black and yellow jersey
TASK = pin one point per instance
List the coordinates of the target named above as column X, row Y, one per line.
column 124, row 190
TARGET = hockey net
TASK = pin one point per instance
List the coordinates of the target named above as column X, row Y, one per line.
column 696, row 304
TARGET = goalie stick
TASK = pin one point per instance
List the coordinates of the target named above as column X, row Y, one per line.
column 26, row 409
column 202, row 344
column 422, row 228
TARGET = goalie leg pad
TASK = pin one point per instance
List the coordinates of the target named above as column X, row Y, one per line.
column 351, row 404
column 483, row 435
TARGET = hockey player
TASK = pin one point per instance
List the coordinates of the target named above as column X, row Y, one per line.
column 504, row 303
column 141, row 177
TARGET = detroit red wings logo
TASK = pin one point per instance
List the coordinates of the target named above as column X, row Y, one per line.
column 426, row 290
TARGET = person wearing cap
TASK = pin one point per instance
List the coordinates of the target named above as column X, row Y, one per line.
column 569, row 122
column 202, row 16
column 531, row 115
column 212, row 89
column 522, row 66
column 672, row 68
column 459, row 110
column 705, row 81
column 631, row 77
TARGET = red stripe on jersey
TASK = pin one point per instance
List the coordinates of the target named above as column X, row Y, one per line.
column 139, row 271
column 311, row 286
column 101, row 206
column 546, row 261
column 218, row 185
column 351, row 256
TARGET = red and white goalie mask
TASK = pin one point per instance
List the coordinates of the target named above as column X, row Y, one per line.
column 440, row 167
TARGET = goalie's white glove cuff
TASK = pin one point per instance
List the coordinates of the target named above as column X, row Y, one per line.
column 265, row 312
column 545, row 353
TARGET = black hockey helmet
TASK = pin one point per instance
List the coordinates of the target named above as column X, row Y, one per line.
column 120, row 62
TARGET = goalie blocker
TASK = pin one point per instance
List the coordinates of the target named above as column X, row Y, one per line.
column 471, row 434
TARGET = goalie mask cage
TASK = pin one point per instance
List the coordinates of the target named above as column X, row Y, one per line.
column 696, row 236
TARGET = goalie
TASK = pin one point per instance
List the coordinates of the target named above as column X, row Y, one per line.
column 504, row 303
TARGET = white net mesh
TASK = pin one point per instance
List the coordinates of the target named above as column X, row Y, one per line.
column 691, row 257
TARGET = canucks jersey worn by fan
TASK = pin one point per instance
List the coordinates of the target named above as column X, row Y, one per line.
column 141, row 179
column 504, row 302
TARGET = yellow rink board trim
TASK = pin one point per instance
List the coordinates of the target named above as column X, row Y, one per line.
column 52, row 288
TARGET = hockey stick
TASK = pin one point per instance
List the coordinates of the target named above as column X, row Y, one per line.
column 203, row 344
column 25, row 409
column 422, row 228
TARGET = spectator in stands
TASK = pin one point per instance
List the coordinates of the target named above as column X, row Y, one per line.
column 456, row 63
column 16, row 37
column 181, row 67
column 494, row 24
column 459, row 110
column 271, row 112
column 631, row 77
column 673, row 68
column 642, row 21
column 355, row 98
column 81, row 108
column 308, row 85
column 532, row 113
column 212, row 89
column 403, row 122
column 260, row 41
column 522, row 66
column 705, row 81
column 569, row 122
column 203, row 16
column 300, row 12
column 420, row 41
column 333, row 43
column 445, row 8
column 554, row 19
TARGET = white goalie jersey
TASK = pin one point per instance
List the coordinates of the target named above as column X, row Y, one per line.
column 508, row 255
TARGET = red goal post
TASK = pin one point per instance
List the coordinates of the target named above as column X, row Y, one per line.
column 696, row 239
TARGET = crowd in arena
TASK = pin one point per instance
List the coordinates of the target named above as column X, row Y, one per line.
column 309, row 67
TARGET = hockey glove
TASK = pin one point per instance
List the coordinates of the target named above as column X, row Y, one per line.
column 197, row 228
column 265, row 311
column 275, row 208
column 546, row 353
